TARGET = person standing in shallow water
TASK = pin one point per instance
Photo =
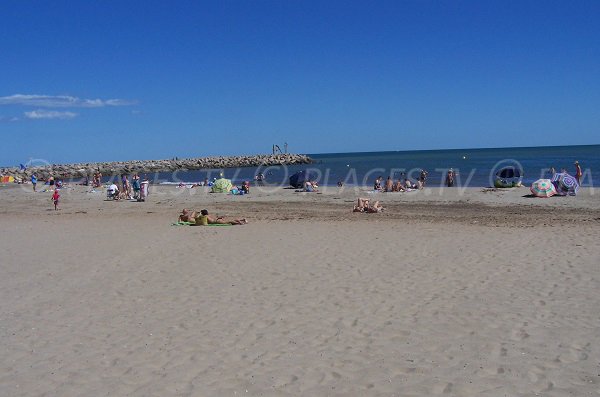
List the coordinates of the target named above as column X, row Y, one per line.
column 450, row 178
column 422, row 179
column 578, row 172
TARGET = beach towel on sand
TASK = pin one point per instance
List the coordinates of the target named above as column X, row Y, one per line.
column 180, row 223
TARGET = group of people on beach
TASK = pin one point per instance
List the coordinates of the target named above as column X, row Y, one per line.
column 578, row 172
column 242, row 189
column 404, row 185
column 50, row 182
column 398, row 185
column 53, row 186
column 136, row 190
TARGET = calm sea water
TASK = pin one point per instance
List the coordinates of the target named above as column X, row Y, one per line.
column 474, row 167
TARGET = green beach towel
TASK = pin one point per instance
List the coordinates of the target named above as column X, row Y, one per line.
column 180, row 223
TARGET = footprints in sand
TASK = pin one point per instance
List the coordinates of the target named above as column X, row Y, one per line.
column 520, row 333
column 574, row 353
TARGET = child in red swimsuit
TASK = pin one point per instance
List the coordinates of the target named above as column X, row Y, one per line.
column 55, row 198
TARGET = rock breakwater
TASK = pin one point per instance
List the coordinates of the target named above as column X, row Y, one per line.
column 83, row 170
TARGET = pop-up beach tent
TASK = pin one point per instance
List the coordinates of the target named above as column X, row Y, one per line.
column 508, row 177
column 509, row 172
column 222, row 186
column 297, row 180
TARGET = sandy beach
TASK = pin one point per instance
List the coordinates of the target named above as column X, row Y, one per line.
column 456, row 292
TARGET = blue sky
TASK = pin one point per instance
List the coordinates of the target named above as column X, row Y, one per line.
column 120, row 80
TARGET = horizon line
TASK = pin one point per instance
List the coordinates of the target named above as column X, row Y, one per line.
column 449, row 149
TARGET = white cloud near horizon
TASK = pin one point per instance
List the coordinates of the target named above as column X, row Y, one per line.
column 49, row 114
column 62, row 101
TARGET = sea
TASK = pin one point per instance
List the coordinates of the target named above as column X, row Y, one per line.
column 473, row 167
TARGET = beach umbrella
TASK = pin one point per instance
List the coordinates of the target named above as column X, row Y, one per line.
column 565, row 183
column 222, row 186
column 297, row 180
column 509, row 172
column 543, row 188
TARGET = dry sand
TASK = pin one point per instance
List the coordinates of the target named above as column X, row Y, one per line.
column 452, row 292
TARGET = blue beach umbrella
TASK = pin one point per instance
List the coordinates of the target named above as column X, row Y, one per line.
column 565, row 184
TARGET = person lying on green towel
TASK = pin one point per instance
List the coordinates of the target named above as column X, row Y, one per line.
column 205, row 219
column 187, row 216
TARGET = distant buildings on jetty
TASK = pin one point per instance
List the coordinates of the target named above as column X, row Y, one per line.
column 83, row 170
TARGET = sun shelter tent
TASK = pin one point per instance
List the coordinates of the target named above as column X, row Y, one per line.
column 508, row 177
column 222, row 186
column 297, row 180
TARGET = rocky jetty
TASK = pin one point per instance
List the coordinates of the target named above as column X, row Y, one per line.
column 82, row 170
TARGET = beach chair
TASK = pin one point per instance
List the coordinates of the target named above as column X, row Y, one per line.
column 112, row 195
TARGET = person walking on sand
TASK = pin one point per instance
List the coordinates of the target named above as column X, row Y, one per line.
column 578, row 173
column 33, row 181
column 55, row 199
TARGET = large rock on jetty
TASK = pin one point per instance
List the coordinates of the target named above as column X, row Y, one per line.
column 82, row 170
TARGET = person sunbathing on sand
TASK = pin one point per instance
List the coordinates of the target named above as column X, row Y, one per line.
column 363, row 205
column 409, row 185
column 310, row 186
column 221, row 220
column 398, row 186
column 187, row 215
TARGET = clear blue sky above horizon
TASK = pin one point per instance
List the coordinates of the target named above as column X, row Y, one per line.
column 120, row 80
